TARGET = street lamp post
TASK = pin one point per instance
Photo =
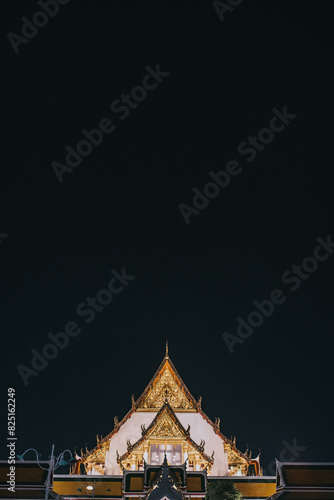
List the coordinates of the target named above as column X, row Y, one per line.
column 54, row 463
column 51, row 467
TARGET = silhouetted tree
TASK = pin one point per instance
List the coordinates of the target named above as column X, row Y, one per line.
column 222, row 490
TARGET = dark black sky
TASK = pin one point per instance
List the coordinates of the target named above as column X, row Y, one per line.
column 119, row 208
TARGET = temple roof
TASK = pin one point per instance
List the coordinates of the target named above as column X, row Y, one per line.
column 166, row 390
column 166, row 424
column 166, row 383
column 304, row 481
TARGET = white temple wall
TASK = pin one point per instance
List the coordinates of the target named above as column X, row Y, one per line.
column 201, row 429
column 131, row 429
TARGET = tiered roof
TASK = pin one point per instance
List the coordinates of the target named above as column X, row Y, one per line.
column 166, row 393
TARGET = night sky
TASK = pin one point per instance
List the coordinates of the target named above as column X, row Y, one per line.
column 215, row 79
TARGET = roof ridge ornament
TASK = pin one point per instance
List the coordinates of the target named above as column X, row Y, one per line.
column 166, row 377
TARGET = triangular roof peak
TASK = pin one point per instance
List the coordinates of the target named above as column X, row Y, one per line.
column 165, row 488
column 166, row 386
column 165, row 425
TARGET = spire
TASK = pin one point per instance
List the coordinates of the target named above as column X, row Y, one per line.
column 165, row 486
column 165, row 476
column 166, row 355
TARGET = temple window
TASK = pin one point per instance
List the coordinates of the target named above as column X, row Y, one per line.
column 174, row 454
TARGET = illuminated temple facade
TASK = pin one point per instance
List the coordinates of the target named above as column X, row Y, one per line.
column 167, row 420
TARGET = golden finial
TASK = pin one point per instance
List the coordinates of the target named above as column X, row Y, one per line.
column 166, row 355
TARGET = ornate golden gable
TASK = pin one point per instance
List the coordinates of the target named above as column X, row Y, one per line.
column 165, row 427
column 97, row 458
column 165, row 430
column 166, row 385
column 236, row 460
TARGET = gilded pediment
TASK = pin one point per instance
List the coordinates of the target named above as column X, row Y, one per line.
column 166, row 426
column 165, row 429
column 236, row 458
column 166, row 385
column 98, row 454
